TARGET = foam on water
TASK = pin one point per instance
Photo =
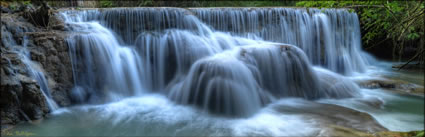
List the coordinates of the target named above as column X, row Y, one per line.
column 195, row 59
column 156, row 115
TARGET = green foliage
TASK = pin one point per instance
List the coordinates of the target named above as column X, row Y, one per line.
column 26, row 2
column 420, row 134
column 144, row 3
column 106, row 3
column 13, row 6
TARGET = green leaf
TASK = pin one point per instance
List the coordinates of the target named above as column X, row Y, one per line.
column 420, row 134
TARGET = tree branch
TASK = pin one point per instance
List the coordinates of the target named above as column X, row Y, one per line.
column 411, row 59
column 376, row 44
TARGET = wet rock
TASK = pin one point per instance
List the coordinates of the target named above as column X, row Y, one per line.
column 51, row 51
column 13, row 29
column 330, row 114
column 21, row 96
column 398, row 86
column 33, row 104
column 10, row 90
column 57, row 24
column 340, row 131
column 400, row 134
column 38, row 56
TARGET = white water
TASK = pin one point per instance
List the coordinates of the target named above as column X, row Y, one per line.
column 228, row 72
column 119, row 53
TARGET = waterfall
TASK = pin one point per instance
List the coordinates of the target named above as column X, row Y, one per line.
column 229, row 61
column 36, row 73
column 330, row 38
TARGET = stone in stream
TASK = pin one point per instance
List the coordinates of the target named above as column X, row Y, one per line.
column 329, row 114
column 394, row 85
column 340, row 131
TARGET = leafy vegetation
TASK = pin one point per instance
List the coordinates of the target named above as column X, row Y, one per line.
column 419, row 133
column 106, row 3
column 15, row 4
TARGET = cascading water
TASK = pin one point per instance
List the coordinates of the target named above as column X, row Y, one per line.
column 36, row 73
column 330, row 38
column 228, row 61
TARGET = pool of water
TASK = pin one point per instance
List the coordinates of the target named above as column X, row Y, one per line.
column 394, row 111
column 155, row 115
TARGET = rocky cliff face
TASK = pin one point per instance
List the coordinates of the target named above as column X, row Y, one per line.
column 21, row 97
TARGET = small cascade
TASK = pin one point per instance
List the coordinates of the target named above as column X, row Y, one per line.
column 330, row 38
column 103, row 64
column 15, row 40
column 36, row 73
column 41, row 80
column 229, row 61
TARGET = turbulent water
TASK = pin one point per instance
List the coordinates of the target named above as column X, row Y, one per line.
column 219, row 71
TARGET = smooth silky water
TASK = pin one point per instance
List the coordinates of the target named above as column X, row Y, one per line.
column 394, row 111
column 221, row 72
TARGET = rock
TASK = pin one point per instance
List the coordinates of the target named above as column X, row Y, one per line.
column 37, row 56
column 330, row 114
column 398, row 86
column 51, row 51
column 26, row 80
column 58, row 24
column 400, row 134
column 20, row 93
column 5, row 10
column 349, row 132
column 33, row 104
column 10, row 90
column 340, row 131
